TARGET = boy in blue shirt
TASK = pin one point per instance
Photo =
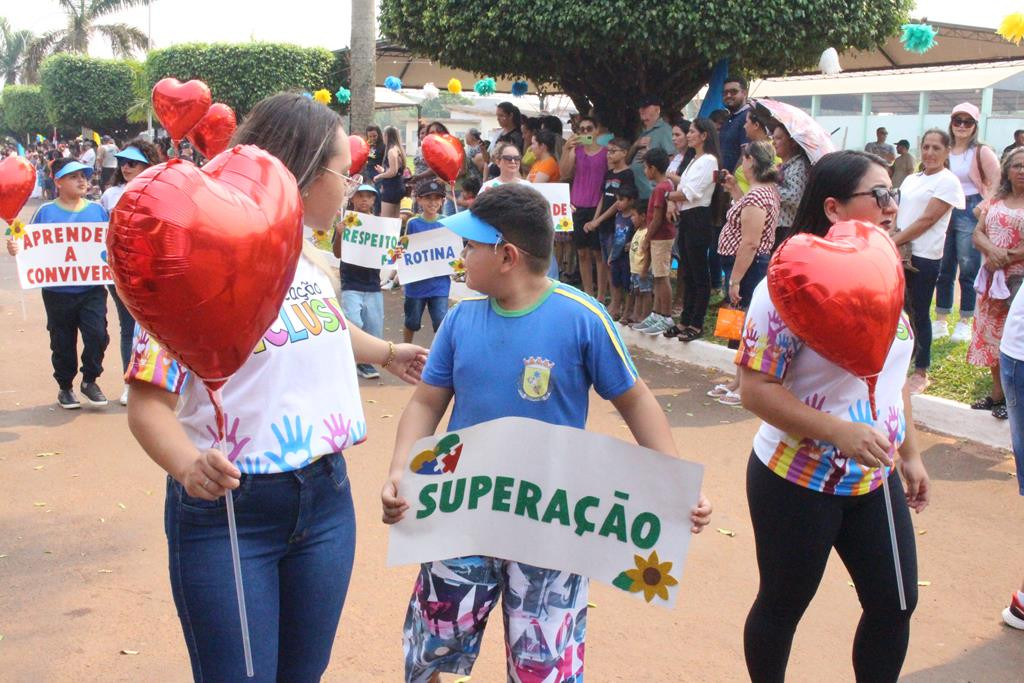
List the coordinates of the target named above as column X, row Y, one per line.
column 74, row 308
column 431, row 293
column 532, row 347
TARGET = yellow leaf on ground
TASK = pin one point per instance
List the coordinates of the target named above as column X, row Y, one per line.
column 39, row 505
column 38, row 467
column 727, row 532
column 105, row 571
column 122, row 506
column 592, row 605
column 129, row 652
column 924, row 583
column 922, row 532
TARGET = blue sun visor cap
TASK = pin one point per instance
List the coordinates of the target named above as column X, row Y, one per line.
column 367, row 188
column 132, row 154
column 465, row 224
column 72, row 168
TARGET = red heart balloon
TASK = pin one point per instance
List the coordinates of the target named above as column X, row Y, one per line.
column 213, row 132
column 180, row 106
column 203, row 257
column 444, row 155
column 17, row 178
column 360, row 153
column 841, row 294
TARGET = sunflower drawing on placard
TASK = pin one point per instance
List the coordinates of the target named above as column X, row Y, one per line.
column 17, row 230
column 650, row 576
column 352, row 220
column 565, row 225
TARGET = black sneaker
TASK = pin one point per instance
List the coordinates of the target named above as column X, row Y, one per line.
column 67, row 399
column 92, row 392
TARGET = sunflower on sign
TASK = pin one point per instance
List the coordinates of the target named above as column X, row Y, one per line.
column 351, row 220
column 16, row 231
column 565, row 225
column 650, row 576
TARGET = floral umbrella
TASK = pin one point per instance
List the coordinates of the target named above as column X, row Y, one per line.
column 807, row 132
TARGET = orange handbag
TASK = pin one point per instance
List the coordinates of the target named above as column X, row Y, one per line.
column 729, row 324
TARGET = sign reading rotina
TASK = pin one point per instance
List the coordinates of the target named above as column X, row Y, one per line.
column 550, row 496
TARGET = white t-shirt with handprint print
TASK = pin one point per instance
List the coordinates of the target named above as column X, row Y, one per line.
column 770, row 347
column 295, row 399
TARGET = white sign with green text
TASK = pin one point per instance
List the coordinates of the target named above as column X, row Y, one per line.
column 550, row 496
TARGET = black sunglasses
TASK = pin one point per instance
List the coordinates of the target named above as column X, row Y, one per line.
column 509, row 158
column 962, row 123
column 883, row 196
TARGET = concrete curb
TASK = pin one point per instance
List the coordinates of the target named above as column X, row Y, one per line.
column 936, row 414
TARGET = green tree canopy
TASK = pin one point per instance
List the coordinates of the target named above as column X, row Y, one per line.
column 242, row 75
column 84, row 91
column 605, row 54
column 23, row 110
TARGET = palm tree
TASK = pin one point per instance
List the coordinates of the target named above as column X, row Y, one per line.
column 13, row 51
column 82, row 16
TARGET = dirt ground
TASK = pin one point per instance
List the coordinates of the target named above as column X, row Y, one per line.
column 83, row 560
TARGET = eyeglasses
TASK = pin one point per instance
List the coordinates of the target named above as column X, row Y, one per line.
column 962, row 123
column 586, row 129
column 1017, row 167
column 352, row 182
column 511, row 159
column 732, row 91
column 883, row 196
column 129, row 162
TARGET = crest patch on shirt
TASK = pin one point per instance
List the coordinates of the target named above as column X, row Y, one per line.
column 535, row 382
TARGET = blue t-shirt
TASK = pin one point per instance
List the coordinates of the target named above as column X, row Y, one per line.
column 433, row 286
column 539, row 362
column 51, row 212
column 622, row 236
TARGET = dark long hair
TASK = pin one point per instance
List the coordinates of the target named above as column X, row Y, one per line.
column 711, row 144
column 513, row 111
column 297, row 130
column 148, row 149
column 836, row 175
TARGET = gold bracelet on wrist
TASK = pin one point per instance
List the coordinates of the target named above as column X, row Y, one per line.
column 391, row 354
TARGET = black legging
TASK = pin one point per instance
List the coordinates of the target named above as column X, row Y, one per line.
column 694, row 240
column 795, row 530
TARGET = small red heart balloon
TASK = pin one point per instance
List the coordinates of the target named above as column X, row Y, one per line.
column 17, row 178
column 203, row 257
column 213, row 132
column 360, row 153
column 841, row 294
column 180, row 106
column 444, row 155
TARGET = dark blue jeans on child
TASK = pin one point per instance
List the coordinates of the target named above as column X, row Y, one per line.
column 296, row 536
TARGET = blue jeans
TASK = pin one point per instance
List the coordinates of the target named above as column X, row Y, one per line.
column 921, row 286
column 756, row 271
column 959, row 252
column 436, row 305
column 1012, row 372
column 127, row 327
column 297, row 537
column 365, row 310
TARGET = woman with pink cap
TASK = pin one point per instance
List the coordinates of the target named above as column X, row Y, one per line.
column 977, row 168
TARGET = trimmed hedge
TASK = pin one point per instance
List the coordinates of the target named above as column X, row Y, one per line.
column 242, row 75
column 24, row 111
column 85, row 91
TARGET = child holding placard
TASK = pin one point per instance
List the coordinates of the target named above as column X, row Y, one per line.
column 431, row 293
column 531, row 348
column 74, row 308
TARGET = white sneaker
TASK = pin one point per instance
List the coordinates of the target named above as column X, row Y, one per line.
column 124, row 396
column 939, row 329
column 961, row 332
column 646, row 322
column 658, row 326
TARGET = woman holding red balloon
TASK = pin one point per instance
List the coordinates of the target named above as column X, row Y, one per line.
column 292, row 408
column 823, row 453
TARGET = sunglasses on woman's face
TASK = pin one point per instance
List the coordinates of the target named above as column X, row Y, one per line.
column 883, row 196
column 511, row 159
column 962, row 123
column 129, row 163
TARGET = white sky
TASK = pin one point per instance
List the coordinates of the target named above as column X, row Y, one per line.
column 326, row 23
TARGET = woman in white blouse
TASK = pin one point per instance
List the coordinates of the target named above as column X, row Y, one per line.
column 692, row 198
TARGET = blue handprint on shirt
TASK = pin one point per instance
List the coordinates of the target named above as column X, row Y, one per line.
column 357, row 434
column 295, row 450
column 249, row 464
column 862, row 413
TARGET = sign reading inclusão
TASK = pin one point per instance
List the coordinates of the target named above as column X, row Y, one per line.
column 550, row 496
column 64, row 254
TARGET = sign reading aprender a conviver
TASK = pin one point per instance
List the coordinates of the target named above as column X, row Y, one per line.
column 557, row 195
column 425, row 254
column 550, row 496
column 366, row 240
column 64, row 254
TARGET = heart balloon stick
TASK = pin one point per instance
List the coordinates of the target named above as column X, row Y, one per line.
column 895, row 547
column 216, row 397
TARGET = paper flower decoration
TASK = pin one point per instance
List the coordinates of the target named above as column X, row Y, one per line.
column 430, row 91
column 393, row 83
column 829, row 62
column 17, row 230
column 455, row 86
column 650, row 576
column 520, row 88
column 1012, row 28
column 344, row 95
column 918, row 38
column 323, row 96
column 485, row 87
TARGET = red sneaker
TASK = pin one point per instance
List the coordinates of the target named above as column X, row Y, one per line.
column 1014, row 614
